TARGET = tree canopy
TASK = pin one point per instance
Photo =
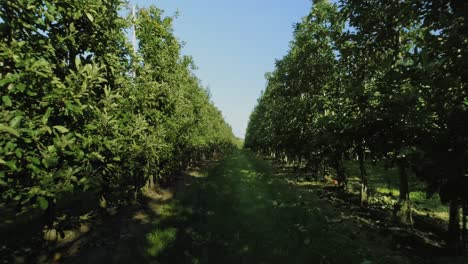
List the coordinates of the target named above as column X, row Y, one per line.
column 81, row 112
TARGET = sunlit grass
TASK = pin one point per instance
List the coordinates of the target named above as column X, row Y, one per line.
column 198, row 173
column 387, row 191
column 249, row 173
column 303, row 183
column 169, row 210
column 160, row 240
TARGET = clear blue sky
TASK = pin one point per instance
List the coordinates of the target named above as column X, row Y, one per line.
column 234, row 43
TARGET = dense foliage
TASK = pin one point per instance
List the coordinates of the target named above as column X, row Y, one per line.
column 81, row 112
column 374, row 80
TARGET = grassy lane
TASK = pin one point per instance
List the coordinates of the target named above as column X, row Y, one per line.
column 239, row 212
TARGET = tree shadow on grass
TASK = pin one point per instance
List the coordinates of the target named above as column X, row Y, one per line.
column 235, row 216
column 227, row 217
column 239, row 213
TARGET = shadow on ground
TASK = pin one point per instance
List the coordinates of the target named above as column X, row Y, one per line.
column 237, row 212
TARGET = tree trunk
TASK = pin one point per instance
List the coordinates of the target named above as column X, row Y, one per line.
column 151, row 182
column 464, row 225
column 49, row 213
column 313, row 168
column 402, row 212
column 323, row 168
column 340, row 172
column 453, row 239
column 364, row 193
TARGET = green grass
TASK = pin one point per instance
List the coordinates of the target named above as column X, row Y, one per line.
column 242, row 212
column 160, row 240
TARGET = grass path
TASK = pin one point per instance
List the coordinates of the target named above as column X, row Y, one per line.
column 241, row 212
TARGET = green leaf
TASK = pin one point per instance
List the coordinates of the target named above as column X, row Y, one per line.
column 71, row 107
column 90, row 17
column 11, row 164
column 61, row 129
column 6, row 100
column 80, row 154
column 43, row 130
column 43, row 203
column 51, row 148
column 9, row 130
column 96, row 156
column 15, row 121
column 21, row 87
column 35, row 160
column 49, row 16
column 50, row 161
column 72, row 27
column 10, row 146
column 77, row 61
column 9, row 78
column 46, row 116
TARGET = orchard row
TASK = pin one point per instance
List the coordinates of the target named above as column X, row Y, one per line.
column 374, row 80
column 82, row 112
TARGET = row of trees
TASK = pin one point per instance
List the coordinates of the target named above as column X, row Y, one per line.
column 81, row 112
column 377, row 80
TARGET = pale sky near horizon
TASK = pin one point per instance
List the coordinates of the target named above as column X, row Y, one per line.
column 234, row 43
